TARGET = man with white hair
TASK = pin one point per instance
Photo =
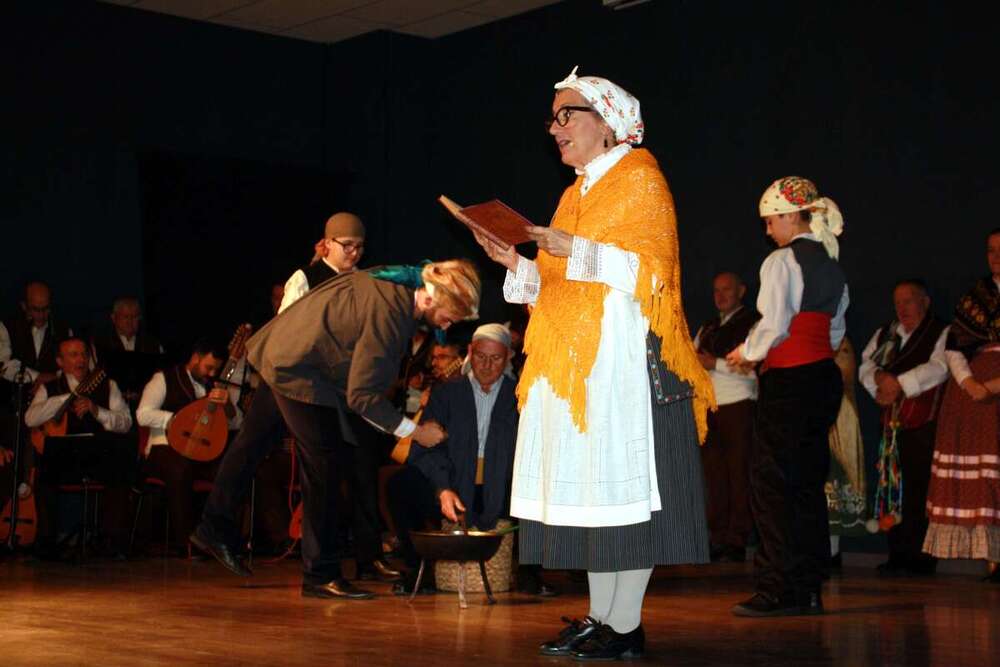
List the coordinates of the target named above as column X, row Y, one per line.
column 470, row 472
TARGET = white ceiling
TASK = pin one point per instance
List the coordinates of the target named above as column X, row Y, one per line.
column 330, row 21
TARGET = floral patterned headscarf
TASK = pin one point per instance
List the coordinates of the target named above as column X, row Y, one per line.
column 618, row 108
column 794, row 193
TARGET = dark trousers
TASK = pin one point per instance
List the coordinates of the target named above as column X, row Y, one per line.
column 788, row 469
column 906, row 539
column 413, row 503
column 271, row 512
column 179, row 474
column 316, row 430
column 360, row 471
column 725, row 460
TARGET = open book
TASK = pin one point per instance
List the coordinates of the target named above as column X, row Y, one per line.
column 493, row 219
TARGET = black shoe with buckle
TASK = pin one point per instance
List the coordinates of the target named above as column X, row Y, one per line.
column 338, row 589
column 575, row 633
column 606, row 645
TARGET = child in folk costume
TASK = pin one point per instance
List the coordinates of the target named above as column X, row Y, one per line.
column 802, row 300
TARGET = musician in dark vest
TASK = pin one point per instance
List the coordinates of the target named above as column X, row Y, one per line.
column 904, row 368
column 725, row 454
column 129, row 353
column 34, row 336
column 103, row 410
column 166, row 393
column 332, row 353
column 802, row 300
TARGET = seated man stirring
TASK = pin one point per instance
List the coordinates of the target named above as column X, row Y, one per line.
column 470, row 472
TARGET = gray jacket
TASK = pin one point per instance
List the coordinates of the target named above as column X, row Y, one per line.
column 339, row 346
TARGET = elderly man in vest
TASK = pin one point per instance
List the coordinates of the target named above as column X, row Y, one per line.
column 904, row 368
column 726, row 454
column 333, row 353
column 103, row 410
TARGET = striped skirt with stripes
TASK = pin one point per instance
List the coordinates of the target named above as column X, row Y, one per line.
column 678, row 533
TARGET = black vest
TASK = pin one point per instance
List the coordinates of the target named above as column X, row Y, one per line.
column 823, row 279
column 22, row 345
column 131, row 370
column 719, row 340
column 180, row 391
column 919, row 346
column 317, row 273
column 88, row 424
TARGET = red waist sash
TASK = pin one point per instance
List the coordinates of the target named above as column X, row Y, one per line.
column 808, row 342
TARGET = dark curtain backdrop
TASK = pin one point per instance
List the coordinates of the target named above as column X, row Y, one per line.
column 130, row 130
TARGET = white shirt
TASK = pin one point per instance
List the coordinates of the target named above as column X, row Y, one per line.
column 9, row 367
column 297, row 286
column 155, row 392
column 115, row 418
column 730, row 385
column 485, row 401
column 780, row 300
column 957, row 363
column 555, row 466
column 915, row 381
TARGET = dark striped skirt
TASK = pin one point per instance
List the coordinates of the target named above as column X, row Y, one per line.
column 676, row 534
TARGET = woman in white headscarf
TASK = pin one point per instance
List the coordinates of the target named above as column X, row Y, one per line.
column 607, row 476
column 802, row 300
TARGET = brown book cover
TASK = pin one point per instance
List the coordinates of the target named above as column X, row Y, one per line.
column 494, row 219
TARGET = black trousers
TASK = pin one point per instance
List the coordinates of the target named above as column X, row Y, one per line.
column 412, row 503
column 316, row 430
column 360, row 471
column 916, row 451
column 179, row 474
column 788, row 469
column 725, row 460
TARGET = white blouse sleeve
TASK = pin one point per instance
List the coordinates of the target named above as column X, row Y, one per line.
column 866, row 373
column 522, row 286
column 295, row 287
column 595, row 262
column 778, row 301
column 958, row 365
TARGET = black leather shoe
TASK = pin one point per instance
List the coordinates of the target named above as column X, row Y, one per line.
column 221, row 553
column 765, row 605
column 338, row 589
column 377, row 570
column 575, row 633
column 606, row 644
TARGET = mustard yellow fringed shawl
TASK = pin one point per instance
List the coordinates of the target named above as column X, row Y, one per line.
column 632, row 208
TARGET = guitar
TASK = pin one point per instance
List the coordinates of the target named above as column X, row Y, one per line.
column 401, row 451
column 199, row 430
column 59, row 423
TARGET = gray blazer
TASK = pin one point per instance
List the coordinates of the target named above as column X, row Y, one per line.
column 339, row 346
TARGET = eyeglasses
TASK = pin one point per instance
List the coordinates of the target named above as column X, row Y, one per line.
column 488, row 358
column 350, row 247
column 563, row 115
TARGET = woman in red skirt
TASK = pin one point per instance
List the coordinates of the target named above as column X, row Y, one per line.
column 963, row 500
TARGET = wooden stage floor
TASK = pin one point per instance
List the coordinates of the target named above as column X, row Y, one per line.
column 177, row 612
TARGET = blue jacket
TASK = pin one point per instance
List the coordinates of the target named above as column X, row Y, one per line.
column 452, row 464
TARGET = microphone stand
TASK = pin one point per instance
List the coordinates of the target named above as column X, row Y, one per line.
column 19, row 385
